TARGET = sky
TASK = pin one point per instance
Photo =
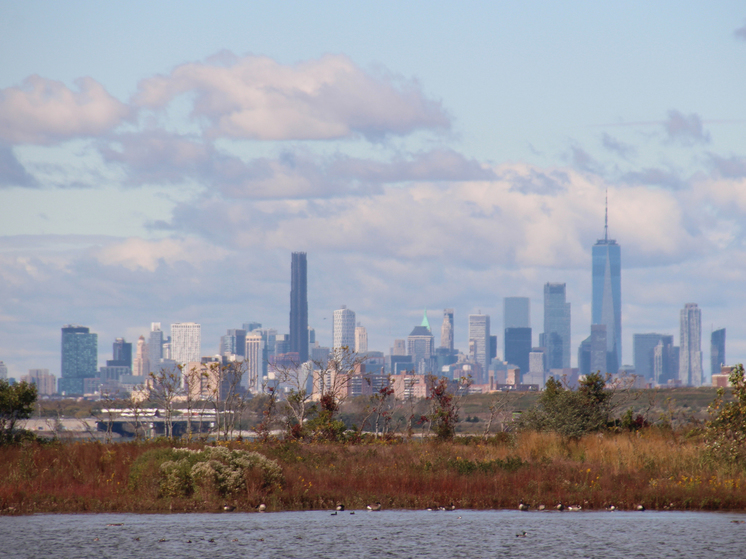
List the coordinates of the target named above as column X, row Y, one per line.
column 159, row 162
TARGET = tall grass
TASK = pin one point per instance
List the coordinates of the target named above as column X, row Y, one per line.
column 653, row 467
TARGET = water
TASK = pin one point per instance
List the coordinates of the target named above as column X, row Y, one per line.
column 394, row 534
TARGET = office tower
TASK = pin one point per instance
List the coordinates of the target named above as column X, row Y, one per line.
column 493, row 347
column 584, row 357
column 343, row 334
column 400, row 347
column 421, row 346
column 79, row 358
column 643, row 347
column 155, row 346
column 599, row 347
column 186, row 342
column 537, row 360
column 516, row 312
column 518, row 347
column 606, row 305
column 665, row 361
column 233, row 343
column 46, row 384
column 299, row 306
column 251, row 326
column 254, row 357
column 121, row 354
column 141, row 365
column 556, row 335
column 282, row 344
column 479, row 334
column 717, row 351
column 690, row 352
column 3, row 371
column 361, row 339
column 446, row 331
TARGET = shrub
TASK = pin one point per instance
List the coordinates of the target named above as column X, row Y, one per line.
column 726, row 431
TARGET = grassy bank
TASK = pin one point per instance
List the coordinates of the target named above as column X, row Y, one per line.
column 655, row 468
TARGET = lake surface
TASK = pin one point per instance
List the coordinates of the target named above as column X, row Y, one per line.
column 375, row 534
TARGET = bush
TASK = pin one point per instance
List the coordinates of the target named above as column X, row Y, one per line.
column 725, row 436
column 16, row 403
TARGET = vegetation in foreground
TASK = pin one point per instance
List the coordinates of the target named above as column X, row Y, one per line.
column 568, row 448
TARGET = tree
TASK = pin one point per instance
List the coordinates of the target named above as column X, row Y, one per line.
column 16, row 403
column 726, row 431
column 444, row 407
column 164, row 387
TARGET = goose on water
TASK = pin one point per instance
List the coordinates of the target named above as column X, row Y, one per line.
column 375, row 507
column 523, row 506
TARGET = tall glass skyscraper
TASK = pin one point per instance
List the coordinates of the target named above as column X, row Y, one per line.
column 79, row 358
column 299, row 306
column 556, row 336
column 690, row 354
column 606, row 306
column 717, row 351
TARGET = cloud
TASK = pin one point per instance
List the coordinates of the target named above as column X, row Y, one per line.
column 740, row 33
column 257, row 98
column 43, row 111
column 620, row 148
column 730, row 167
column 135, row 253
column 654, row 176
column 12, row 173
column 686, row 130
column 584, row 161
column 530, row 180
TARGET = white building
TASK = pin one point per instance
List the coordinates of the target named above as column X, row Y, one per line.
column 361, row 339
column 690, row 354
column 479, row 333
column 186, row 342
column 253, row 359
column 344, row 328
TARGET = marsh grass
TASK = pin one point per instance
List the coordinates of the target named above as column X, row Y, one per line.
column 657, row 468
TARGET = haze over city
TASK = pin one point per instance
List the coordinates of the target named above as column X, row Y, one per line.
column 160, row 164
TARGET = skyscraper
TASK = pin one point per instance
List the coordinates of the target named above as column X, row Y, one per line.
column 233, row 343
column 421, row 346
column 343, row 334
column 446, row 331
column 606, row 305
column 121, row 354
column 644, row 353
column 517, row 347
column 690, row 354
column 598, row 349
column 516, row 312
column 557, row 322
column 717, row 351
column 255, row 356
column 299, row 306
column 479, row 334
column 361, row 339
column 79, row 358
column 155, row 347
column 186, row 342
column 141, row 366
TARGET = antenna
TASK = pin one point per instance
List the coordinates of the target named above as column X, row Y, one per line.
column 606, row 219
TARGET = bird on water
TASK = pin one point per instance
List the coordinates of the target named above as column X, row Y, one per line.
column 375, row 507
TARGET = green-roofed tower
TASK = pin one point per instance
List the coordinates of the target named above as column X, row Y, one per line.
column 425, row 321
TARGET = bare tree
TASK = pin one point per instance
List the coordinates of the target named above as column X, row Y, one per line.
column 164, row 387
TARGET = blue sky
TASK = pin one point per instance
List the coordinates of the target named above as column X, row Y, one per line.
column 160, row 162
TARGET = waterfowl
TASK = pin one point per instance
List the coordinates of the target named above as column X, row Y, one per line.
column 375, row 507
column 611, row 508
column 574, row 508
column 229, row 508
column 523, row 506
column 521, row 534
column 340, row 507
column 334, row 513
column 542, row 507
column 560, row 507
column 640, row 508
column 451, row 507
column 261, row 508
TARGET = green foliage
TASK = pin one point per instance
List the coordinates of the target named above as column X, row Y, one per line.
column 571, row 413
column 726, row 431
column 16, row 403
column 180, row 472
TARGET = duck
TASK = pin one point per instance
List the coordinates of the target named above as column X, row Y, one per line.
column 229, row 508
column 611, row 508
column 451, row 507
column 375, row 507
column 542, row 507
column 334, row 513
column 523, row 506
column 560, row 507
column 574, row 508
column 640, row 508
column 261, row 508
column 521, row 534
column 340, row 507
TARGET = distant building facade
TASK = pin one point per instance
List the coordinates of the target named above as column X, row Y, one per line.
column 186, row 342
column 361, row 339
column 557, row 326
column 516, row 312
column 299, row 306
column 343, row 334
column 606, row 304
column 690, row 353
column 518, row 348
column 446, row 330
column 717, row 351
column 479, row 336
column 46, row 384
column 79, row 358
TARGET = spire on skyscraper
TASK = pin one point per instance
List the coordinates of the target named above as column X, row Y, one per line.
column 425, row 321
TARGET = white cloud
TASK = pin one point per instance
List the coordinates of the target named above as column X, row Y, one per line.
column 256, row 97
column 43, row 111
column 136, row 253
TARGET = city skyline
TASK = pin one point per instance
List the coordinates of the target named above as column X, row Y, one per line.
column 155, row 168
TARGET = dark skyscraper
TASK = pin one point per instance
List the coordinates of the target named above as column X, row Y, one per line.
column 644, row 353
column 556, row 336
column 79, row 358
column 606, row 305
column 299, row 307
column 717, row 351
column 517, row 347
column 121, row 353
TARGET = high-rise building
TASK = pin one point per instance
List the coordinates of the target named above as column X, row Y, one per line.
column 233, row 343
column 254, row 356
column 141, row 365
column 46, row 384
column 446, row 331
column 79, row 358
column 516, row 312
column 299, row 306
column 421, row 346
column 400, row 348
column 155, row 347
column 121, row 354
column 690, row 353
column 186, row 342
column 598, row 349
column 518, row 347
column 606, row 305
column 717, row 351
column 3, row 371
column 644, row 358
column 665, row 361
column 251, row 326
column 361, row 339
column 343, row 334
column 479, row 335
column 584, row 357
column 557, row 326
